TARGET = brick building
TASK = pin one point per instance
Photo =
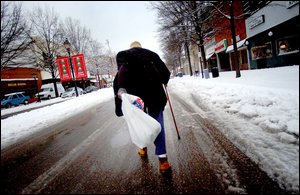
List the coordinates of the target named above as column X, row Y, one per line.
column 20, row 80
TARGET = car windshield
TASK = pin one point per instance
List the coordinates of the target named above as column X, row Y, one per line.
column 70, row 89
column 45, row 89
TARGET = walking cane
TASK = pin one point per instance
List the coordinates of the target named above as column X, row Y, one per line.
column 171, row 110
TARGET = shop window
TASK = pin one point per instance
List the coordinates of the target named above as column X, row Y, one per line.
column 262, row 51
column 287, row 46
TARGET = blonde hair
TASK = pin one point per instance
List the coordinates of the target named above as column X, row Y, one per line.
column 135, row 44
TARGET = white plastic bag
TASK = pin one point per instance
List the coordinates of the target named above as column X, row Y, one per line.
column 143, row 129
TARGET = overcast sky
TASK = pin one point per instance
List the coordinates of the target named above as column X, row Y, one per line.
column 119, row 22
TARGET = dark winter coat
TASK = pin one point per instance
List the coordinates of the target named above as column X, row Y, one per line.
column 142, row 73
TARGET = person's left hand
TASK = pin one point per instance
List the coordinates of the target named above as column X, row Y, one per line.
column 120, row 92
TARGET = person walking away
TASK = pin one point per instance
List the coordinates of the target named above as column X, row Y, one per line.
column 141, row 72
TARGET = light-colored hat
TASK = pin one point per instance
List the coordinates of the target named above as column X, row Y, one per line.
column 135, row 44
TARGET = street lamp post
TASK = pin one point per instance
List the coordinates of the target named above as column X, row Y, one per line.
column 37, row 86
column 67, row 45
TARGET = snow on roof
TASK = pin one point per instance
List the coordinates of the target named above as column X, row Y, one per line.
column 14, row 93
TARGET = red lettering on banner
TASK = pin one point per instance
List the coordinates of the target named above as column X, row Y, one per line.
column 219, row 47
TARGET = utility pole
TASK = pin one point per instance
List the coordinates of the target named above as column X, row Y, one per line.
column 110, row 53
column 110, row 57
column 98, row 76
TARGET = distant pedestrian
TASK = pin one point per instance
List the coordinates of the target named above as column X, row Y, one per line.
column 141, row 72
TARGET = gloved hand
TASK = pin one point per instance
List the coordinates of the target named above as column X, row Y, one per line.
column 121, row 91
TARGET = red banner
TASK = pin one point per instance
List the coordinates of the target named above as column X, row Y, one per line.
column 64, row 68
column 79, row 66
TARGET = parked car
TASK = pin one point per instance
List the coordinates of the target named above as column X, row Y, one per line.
column 14, row 99
column 33, row 99
column 90, row 89
column 70, row 92
column 48, row 92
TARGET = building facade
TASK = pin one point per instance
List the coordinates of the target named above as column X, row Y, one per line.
column 267, row 34
column 223, row 39
column 273, row 34
column 28, row 80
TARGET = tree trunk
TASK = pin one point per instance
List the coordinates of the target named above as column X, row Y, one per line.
column 188, row 55
column 235, row 53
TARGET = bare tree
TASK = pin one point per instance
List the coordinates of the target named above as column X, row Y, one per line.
column 93, row 53
column 173, row 50
column 77, row 34
column 198, row 19
column 188, row 19
column 171, row 32
column 100, row 60
column 47, row 39
column 14, row 39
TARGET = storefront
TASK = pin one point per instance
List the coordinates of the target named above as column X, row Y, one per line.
column 210, row 54
column 241, row 53
column 273, row 36
column 278, row 46
column 27, row 80
column 221, row 55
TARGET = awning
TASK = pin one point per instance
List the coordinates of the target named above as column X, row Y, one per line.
column 209, row 55
column 19, row 79
column 94, row 81
column 238, row 44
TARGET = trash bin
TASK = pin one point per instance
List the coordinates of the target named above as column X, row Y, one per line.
column 215, row 72
column 179, row 74
column 206, row 73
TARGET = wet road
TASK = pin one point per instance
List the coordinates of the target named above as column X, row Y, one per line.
column 92, row 153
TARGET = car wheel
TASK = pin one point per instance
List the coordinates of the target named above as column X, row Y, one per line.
column 8, row 105
column 49, row 97
column 26, row 102
column 73, row 94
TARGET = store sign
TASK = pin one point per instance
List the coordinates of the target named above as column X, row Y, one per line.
column 79, row 66
column 256, row 21
column 64, row 68
column 15, row 84
column 221, row 46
